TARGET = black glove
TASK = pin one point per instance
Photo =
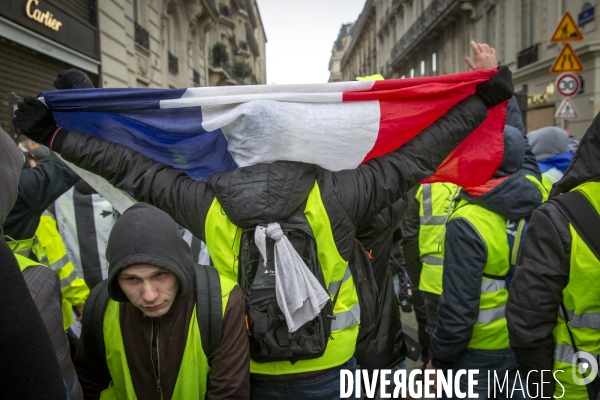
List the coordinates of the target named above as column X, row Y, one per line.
column 498, row 89
column 72, row 79
column 35, row 120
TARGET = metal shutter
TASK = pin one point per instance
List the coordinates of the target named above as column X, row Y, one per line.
column 26, row 73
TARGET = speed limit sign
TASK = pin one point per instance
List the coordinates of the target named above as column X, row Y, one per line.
column 567, row 85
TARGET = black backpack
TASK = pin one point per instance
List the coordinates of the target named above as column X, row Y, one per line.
column 209, row 315
column 267, row 328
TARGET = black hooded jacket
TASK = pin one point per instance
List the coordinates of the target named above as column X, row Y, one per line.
column 147, row 235
column 543, row 269
column 465, row 253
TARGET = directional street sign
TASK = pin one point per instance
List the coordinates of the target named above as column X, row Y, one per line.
column 567, row 110
column 567, row 85
column 567, row 61
column 567, row 30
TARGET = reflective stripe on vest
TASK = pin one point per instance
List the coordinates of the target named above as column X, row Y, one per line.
column 193, row 372
column 434, row 201
column 581, row 298
column 490, row 331
column 223, row 243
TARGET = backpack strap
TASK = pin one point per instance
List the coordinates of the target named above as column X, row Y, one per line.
column 92, row 323
column 580, row 213
column 209, row 308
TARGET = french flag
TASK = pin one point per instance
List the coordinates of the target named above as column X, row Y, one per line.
column 335, row 125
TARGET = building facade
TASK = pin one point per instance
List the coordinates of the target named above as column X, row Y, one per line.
column 38, row 39
column 338, row 51
column 416, row 38
column 181, row 43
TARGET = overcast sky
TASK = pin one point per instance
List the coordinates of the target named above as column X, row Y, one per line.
column 300, row 36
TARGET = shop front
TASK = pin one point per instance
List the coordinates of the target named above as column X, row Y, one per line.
column 38, row 39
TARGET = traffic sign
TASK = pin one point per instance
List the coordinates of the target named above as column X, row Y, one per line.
column 567, row 61
column 567, row 85
column 567, row 110
column 567, row 30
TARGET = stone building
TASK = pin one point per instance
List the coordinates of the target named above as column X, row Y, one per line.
column 181, row 43
column 414, row 38
column 337, row 52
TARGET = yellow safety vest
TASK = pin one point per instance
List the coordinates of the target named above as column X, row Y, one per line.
column 49, row 249
column 191, row 380
column 490, row 331
column 581, row 298
column 434, row 202
column 223, row 243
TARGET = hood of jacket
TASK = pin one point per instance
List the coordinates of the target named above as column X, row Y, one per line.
column 263, row 193
column 548, row 141
column 11, row 164
column 146, row 235
column 586, row 161
column 509, row 193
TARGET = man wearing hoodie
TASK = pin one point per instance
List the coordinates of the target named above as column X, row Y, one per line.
column 150, row 329
column 550, row 146
column 471, row 330
column 559, row 267
column 29, row 367
column 333, row 204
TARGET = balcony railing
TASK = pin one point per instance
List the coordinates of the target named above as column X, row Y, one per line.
column 225, row 11
column 173, row 64
column 527, row 56
column 228, row 68
column 420, row 26
column 196, row 77
column 141, row 36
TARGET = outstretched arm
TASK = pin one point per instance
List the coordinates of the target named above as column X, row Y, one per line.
column 366, row 190
column 186, row 200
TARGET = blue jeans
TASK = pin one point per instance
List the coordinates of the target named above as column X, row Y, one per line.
column 323, row 387
column 498, row 361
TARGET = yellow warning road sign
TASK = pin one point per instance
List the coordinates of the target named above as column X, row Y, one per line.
column 567, row 61
column 567, row 30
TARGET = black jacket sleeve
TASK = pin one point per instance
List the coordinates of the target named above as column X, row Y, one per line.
column 465, row 256
column 38, row 188
column 410, row 242
column 536, row 292
column 186, row 200
column 363, row 192
column 29, row 368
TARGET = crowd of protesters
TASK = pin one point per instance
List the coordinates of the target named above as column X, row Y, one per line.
column 170, row 300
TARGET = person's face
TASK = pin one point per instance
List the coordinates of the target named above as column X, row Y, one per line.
column 151, row 289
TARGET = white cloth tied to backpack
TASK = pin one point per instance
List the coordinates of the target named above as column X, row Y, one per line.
column 300, row 296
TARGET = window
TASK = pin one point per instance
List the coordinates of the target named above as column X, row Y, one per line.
column 224, row 38
column 136, row 11
column 491, row 27
column 434, row 63
column 412, row 72
column 422, row 68
column 527, row 23
column 171, row 33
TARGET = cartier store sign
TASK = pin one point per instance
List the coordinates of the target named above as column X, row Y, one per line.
column 46, row 18
column 52, row 19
